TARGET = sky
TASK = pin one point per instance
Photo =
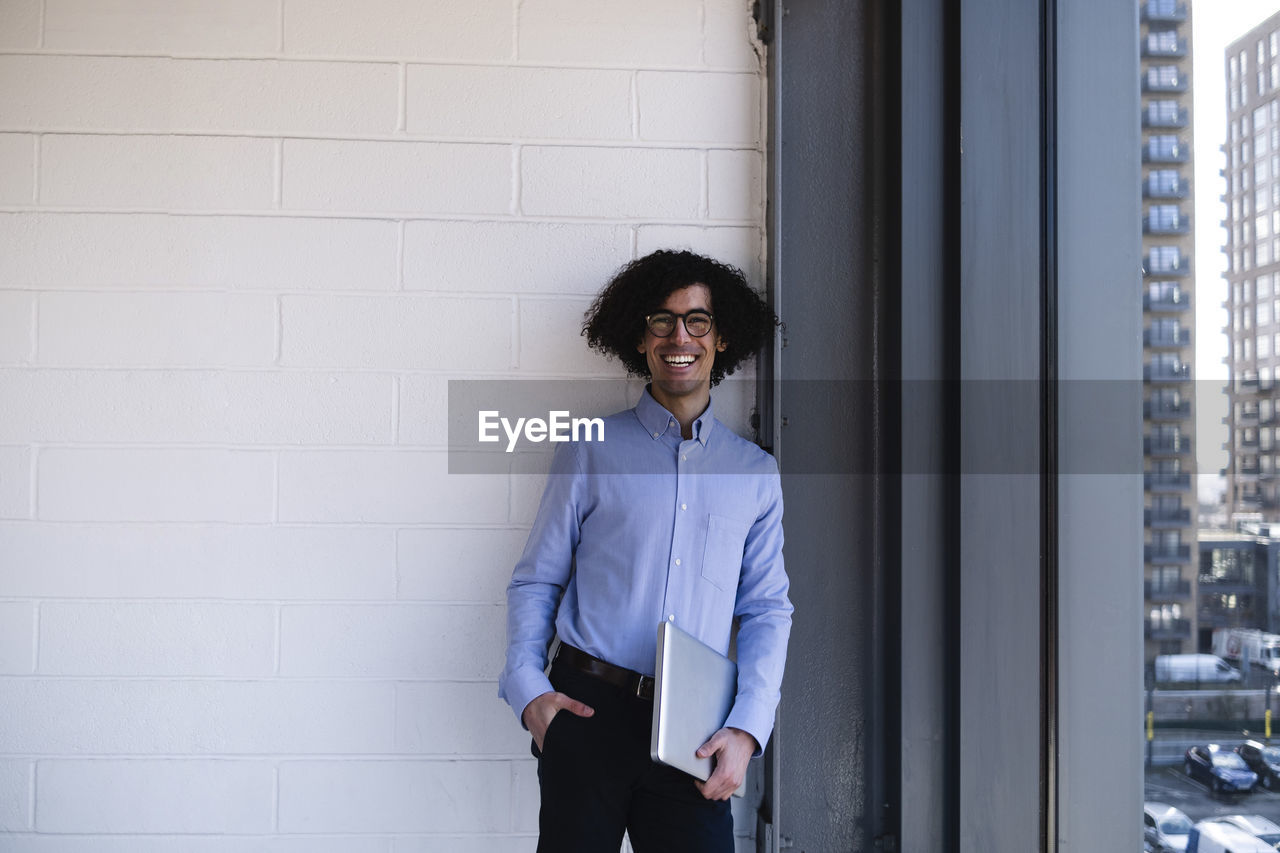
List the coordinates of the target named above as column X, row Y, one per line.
column 1214, row 25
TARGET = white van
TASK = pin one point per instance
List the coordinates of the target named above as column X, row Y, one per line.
column 1187, row 668
column 1210, row 836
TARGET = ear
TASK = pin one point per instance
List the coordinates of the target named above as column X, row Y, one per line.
column 721, row 345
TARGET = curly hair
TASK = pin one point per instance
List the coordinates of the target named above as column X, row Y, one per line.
column 614, row 323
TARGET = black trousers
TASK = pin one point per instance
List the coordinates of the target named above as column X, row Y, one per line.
column 597, row 780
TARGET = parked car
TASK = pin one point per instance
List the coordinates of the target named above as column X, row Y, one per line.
column 1197, row 668
column 1164, row 828
column 1256, row 825
column 1221, row 770
column 1214, row 836
column 1263, row 760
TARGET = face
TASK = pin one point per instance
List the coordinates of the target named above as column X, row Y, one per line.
column 680, row 364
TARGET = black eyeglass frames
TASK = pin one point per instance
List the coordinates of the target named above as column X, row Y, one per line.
column 663, row 323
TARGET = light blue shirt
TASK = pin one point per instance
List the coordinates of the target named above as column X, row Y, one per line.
column 645, row 526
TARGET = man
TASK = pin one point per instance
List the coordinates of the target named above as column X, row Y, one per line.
column 671, row 516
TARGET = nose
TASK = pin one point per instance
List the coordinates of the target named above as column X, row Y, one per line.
column 680, row 334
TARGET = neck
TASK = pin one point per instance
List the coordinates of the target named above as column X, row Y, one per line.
column 686, row 408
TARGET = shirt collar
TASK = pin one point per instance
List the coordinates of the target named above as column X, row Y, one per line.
column 656, row 419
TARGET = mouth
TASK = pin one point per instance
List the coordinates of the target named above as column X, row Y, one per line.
column 679, row 361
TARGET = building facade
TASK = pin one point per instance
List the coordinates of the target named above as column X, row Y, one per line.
column 1168, row 347
column 1252, row 250
column 1237, row 586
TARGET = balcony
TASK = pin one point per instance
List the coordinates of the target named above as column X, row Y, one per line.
column 1166, row 629
column 1166, row 372
column 1166, row 337
column 1156, row 446
column 1177, row 48
column 1163, row 11
column 1166, row 590
column 1150, row 267
column 1157, row 410
column 1182, row 226
column 1164, row 519
column 1153, row 154
column 1154, row 481
column 1249, row 473
column 1175, row 300
column 1179, row 119
column 1182, row 189
column 1165, row 554
column 1179, row 85
column 1248, row 417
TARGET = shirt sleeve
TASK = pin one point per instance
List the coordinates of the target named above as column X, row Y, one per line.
column 539, row 581
column 764, row 613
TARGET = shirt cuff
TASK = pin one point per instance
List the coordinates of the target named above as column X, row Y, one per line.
column 753, row 717
column 522, row 687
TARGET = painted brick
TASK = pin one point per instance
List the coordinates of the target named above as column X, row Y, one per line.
column 196, row 561
column 15, row 796
column 727, row 35
column 457, row 565
column 195, row 406
column 157, row 329
column 404, row 487
column 19, row 24
column 549, row 342
column 428, row 720
column 195, row 844
column 699, row 106
column 610, row 32
column 17, row 315
column 525, row 796
column 154, row 796
column 15, row 482
column 196, row 717
column 452, row 641
column 610, row 182
column 17, row 640
column 162, row 26
column 477, row 31
column 735, row 182
column 17, row 168
column 528, row 480
column 196, row 95
column 512, row 257
column 232, row 252
column 156, row 638
column 164, row 172
column 155, row 485
column 466, row 844
column 401, row 177
column 741, row 247
column 424, row 410
column 394, row 796
column 396, row 332
column 518, row 102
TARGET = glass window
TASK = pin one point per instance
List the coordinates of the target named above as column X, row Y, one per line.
column 1165, row 258
column 1162, row 111
column 1163, row 147
column 1163, row 182
column 1264, row 346
column 1162, row 41
column 1262, row 255
column 1234, row 65
column 1264, row 286
column 1261, row 226
column 1164, row 216
column 1162, row 76
column 1264, row 314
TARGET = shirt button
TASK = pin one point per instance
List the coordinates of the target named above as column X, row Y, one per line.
column 684, row 506
column 671, row 617
column 677, row 561
column 655, row 435
column 685, row 458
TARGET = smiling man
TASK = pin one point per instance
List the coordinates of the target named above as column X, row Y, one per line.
column 672, row 517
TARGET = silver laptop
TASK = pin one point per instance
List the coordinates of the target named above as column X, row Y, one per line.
column 694, row 688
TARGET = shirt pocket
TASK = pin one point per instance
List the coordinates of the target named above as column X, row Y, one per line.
column 722, row 554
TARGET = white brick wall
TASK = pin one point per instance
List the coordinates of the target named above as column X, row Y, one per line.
column 244, row 246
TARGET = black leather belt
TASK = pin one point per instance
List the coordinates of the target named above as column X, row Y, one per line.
column 630, row 681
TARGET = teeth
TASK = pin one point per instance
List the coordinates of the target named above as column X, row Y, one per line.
column 678, row 359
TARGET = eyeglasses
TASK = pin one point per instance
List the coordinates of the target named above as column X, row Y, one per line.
column 663, row 323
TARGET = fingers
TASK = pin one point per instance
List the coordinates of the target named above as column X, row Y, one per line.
column 712, row 746
column 573, row 706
